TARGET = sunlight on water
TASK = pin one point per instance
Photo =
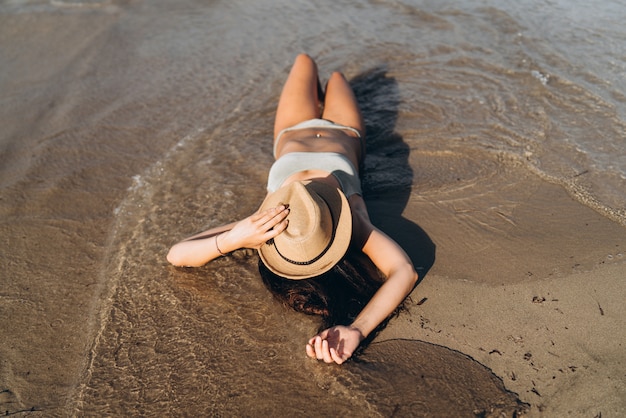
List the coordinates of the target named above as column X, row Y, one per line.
column 457, row 93
column 160, row 116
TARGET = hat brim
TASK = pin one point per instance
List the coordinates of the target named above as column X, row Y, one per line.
column 342, row 224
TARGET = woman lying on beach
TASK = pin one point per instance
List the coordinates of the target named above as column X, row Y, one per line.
column 312, row 231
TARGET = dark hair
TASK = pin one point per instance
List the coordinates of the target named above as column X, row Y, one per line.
column 336, row 296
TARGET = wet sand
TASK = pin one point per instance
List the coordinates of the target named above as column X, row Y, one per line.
column 541, row 306
column 520, row 309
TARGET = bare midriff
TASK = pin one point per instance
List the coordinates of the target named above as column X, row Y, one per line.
column 320, row 140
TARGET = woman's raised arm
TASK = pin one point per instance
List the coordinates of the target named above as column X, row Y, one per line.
column 250, row 232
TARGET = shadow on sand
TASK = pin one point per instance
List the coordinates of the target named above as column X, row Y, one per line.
column 386, row 174
column 410, row 377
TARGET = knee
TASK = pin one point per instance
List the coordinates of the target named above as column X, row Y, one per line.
column 337, row 75
column 304, row 58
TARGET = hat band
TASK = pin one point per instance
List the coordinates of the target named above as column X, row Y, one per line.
column 324, row 251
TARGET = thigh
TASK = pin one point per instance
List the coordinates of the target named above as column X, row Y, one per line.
column 340, row 104
column 299, row 100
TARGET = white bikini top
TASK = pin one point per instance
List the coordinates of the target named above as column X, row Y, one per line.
column 332, row 162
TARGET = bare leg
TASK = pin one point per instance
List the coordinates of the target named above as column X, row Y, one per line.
column 299, row 99
column 340, row 105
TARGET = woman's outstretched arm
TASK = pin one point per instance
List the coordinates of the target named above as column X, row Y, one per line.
column 338, row 343
column 250, row 232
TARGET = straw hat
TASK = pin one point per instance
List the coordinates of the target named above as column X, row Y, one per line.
column 318, row 234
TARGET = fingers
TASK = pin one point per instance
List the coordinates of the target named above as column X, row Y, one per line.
column 320, row 349
column 274, row 222
column 335, row 356
column 326, row 352
column 310, row 351
column 267, row 213
column 271, row 217
column 276, row 229
column 315, row 348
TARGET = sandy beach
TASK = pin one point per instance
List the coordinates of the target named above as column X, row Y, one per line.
column 128, row 125
column 548, row 319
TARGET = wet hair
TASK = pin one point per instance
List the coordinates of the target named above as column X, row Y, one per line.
column 336, row 296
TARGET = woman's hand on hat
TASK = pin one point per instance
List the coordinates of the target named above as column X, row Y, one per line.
column 336, row 344
column 255, row 230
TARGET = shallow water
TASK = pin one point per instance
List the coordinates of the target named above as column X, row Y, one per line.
column 128, row 125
